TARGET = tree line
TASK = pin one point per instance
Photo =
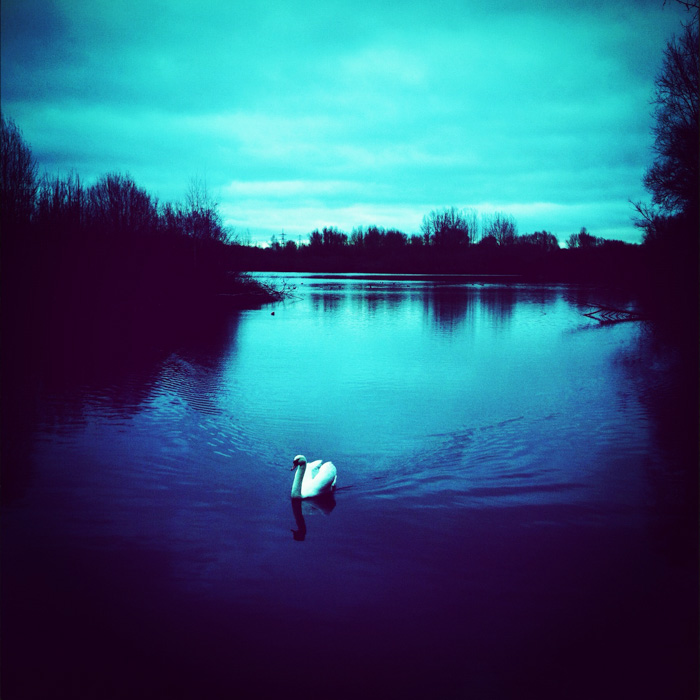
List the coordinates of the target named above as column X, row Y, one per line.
column 452, row 240
column 70, row 245
column 62, row 207
column 112, row 239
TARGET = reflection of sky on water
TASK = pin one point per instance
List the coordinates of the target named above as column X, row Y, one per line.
column 468, row 378
column 504, row 464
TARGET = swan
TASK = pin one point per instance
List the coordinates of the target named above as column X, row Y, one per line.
column 312, row 479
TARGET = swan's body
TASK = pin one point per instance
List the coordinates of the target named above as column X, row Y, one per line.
column 314, row 478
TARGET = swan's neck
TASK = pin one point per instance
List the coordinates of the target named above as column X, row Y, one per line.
column 298, row 478
column 300, row 532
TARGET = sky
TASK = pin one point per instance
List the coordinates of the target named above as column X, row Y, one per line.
column 301, row 114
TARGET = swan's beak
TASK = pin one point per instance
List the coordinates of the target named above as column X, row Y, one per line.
column 293, row 468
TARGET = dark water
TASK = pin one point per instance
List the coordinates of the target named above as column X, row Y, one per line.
column 516, row 513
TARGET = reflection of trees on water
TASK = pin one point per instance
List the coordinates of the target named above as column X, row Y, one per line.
column 124, row 366
column 328, row 301
column 662, row 368
column 364, row 298
column 498, row 303
column 116, row 360
column 449, row 308
column 446, row 305
column 452, row 306
column 373, row 302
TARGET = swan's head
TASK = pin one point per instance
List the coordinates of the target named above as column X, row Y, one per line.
column 298, row 461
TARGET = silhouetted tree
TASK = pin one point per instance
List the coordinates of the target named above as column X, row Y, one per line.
column 543, row 240
column 170, row 219
column 395, row 240
column 449, row 228
column 583, row 239
column 18, row 177
column 416, row 242
column 656, row 227
column 672, row 179
column 201, row 218
column 109, row 248
column 376, row 239
column 330, row 239
column 333, row 238
column 502, row 227
column 357, row 237
column 315, row 240
column 117, row 206
column 488, row 242
column 373, row 239
column 61, row 204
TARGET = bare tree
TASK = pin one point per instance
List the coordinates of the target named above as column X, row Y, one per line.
column 544, row 240
column 673, row 177
column 583, row 239
column 333, row 238
column 690, row 6
column 201, row 214
column 315, row 240
column 450, row 228
column 18, row 177
column 118, row 206
column 502, row 227
column 61, row 203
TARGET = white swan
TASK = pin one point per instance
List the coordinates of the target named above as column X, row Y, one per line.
column 314, row 478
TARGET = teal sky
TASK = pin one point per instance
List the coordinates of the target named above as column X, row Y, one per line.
column 348, row 112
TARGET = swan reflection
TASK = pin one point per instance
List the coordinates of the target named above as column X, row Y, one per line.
column 309, row 506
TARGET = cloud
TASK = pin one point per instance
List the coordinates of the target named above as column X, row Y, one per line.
column 300, row 112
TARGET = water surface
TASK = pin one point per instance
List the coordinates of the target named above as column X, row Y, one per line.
column 516, row 513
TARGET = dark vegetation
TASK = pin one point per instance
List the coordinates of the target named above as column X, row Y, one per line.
column 671, row 223
column 99, row 275
column 450, row 248
column 104, row 265
column 69, row 244
column 112, row 249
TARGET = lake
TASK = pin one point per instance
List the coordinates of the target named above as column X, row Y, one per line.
column 515, row 517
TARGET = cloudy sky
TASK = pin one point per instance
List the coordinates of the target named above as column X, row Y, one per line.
column 305, row 113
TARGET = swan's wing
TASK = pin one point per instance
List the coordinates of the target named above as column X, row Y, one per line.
column 312, row 468
column 327, row 473
column 319, row 478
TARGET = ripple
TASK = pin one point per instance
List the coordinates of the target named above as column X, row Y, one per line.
column 192, row 383
column 500, row 464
